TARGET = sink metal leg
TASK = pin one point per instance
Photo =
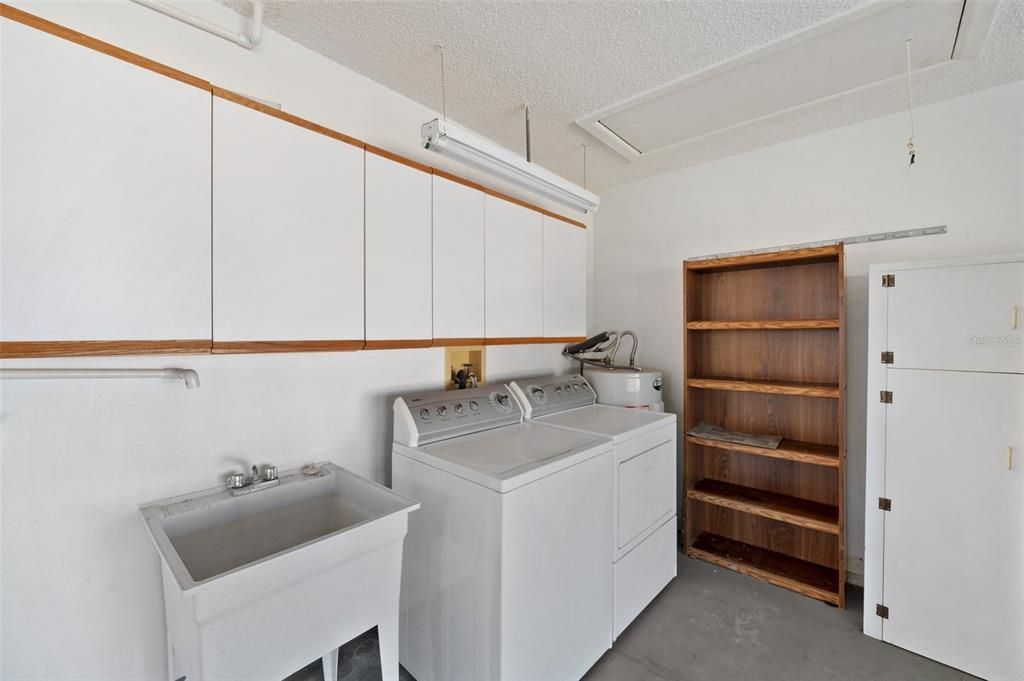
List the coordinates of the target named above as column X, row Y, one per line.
column 387, row 632
column 330, row 663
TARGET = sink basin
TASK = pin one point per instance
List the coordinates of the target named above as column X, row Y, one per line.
column 257, row 586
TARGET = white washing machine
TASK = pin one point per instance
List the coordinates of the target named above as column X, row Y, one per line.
column 644, row 500
column 506, row 571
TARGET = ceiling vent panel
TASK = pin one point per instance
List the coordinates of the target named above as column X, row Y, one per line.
column 853, row 50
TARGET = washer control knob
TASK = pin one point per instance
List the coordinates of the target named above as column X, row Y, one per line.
column 458, row 407
column 502, row 399
column 474, row 406
column 538, row 393
column 442, row 410
column 424, row 414
column 576, row 386
column 558, row 390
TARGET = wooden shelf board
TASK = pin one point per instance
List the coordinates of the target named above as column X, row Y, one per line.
column 763, row 324
column 791, row 450
column 772, row 387
column 802, row 512
column 774, row 259
column 775, row 568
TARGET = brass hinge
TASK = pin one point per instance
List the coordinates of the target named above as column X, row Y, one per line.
column 885, row 397
column 882, row 611
column 888, row 280
column 887, row 357
column 884, row 504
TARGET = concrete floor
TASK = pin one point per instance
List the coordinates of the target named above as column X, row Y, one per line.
column 711, row 624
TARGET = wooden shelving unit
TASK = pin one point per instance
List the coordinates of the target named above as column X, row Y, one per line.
column 764, row 353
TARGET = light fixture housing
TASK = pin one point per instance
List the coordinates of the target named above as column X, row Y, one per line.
column 473, row 150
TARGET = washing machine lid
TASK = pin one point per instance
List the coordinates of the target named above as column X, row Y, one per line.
column 506, row 458
column 618, row 423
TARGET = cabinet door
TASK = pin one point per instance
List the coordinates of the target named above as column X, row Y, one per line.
column 287, row 230
column 458, row 260
column 966, row 318
column 398, row 258
column 514, row 271
column 106, row 196
column 565, row 279
column 953, row 570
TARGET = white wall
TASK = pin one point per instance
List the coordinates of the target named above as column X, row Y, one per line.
column 81, row 594
column 969, row 175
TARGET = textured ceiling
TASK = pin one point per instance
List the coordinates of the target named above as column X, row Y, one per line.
column 568, row 58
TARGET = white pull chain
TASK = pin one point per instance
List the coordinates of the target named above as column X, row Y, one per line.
column 910, row 103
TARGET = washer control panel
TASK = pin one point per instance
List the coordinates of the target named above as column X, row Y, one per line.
column 429, row 417
column 551, row 394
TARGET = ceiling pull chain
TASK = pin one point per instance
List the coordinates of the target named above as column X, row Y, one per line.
column 527, row 107
column 910, row 105
column 444, row 94
column 585, row 145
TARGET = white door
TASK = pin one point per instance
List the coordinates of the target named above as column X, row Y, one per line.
column 398, row 258
column 514, row 269
column 287, row 230
column 565, row 279
column 106, row 196
column 458, row 260
column 953, row 570
column 968, row 318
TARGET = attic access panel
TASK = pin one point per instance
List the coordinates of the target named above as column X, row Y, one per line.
column 852, row 50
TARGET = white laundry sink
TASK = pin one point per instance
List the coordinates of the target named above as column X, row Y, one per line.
column 258, row 586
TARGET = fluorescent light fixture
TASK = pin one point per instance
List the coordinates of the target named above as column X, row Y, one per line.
column 469, row 148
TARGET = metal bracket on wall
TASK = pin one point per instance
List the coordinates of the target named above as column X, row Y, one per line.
column 885, row 397
column 882, row 611
column 884, row 504
column 887, row 357
column 888, row 280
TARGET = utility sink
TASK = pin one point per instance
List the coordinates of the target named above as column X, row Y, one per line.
column 258, row 586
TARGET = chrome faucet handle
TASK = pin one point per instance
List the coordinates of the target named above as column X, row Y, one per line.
column 236, row 481
column 270, row 473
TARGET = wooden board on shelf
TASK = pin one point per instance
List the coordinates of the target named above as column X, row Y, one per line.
column 775, row 568
column 763, row 324
column 784, row 508
column 792, row 388
column 792, row 450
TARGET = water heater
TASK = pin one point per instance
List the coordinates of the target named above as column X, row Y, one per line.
column 633, row 387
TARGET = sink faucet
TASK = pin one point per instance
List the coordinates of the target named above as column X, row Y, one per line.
column 239, row 483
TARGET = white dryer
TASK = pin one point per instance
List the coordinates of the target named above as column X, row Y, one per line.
column 644, row 535
column 506, row 570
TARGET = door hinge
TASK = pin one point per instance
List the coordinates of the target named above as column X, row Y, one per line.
column 882, row 611
column 888, row 280
column 884, row 504
column 887, row 357
column 885, row 397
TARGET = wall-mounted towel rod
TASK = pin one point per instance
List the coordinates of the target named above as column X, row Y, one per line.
column 247, row 41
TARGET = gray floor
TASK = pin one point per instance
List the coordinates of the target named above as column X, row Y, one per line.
column 714, row 625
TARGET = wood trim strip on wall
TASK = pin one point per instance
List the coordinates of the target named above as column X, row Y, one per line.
column 511, row 199
column 398, row 158
column 68, row 34
column 398, row 344
column 237, row 347
column 533, row 340
column 90, row 348
column 451, row 342
column 284, row 116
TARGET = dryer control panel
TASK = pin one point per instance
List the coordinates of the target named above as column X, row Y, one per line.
column 552, row 394
column 430, row 417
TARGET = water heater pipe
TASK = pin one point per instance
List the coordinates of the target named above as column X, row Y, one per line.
column 247, row 41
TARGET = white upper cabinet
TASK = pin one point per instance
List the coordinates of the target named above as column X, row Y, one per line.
column 514, row 270
column 458, row 260
column 398, row 251
column 565, row 279
column 106, row 196
column 967, row 317
column 287, row 230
